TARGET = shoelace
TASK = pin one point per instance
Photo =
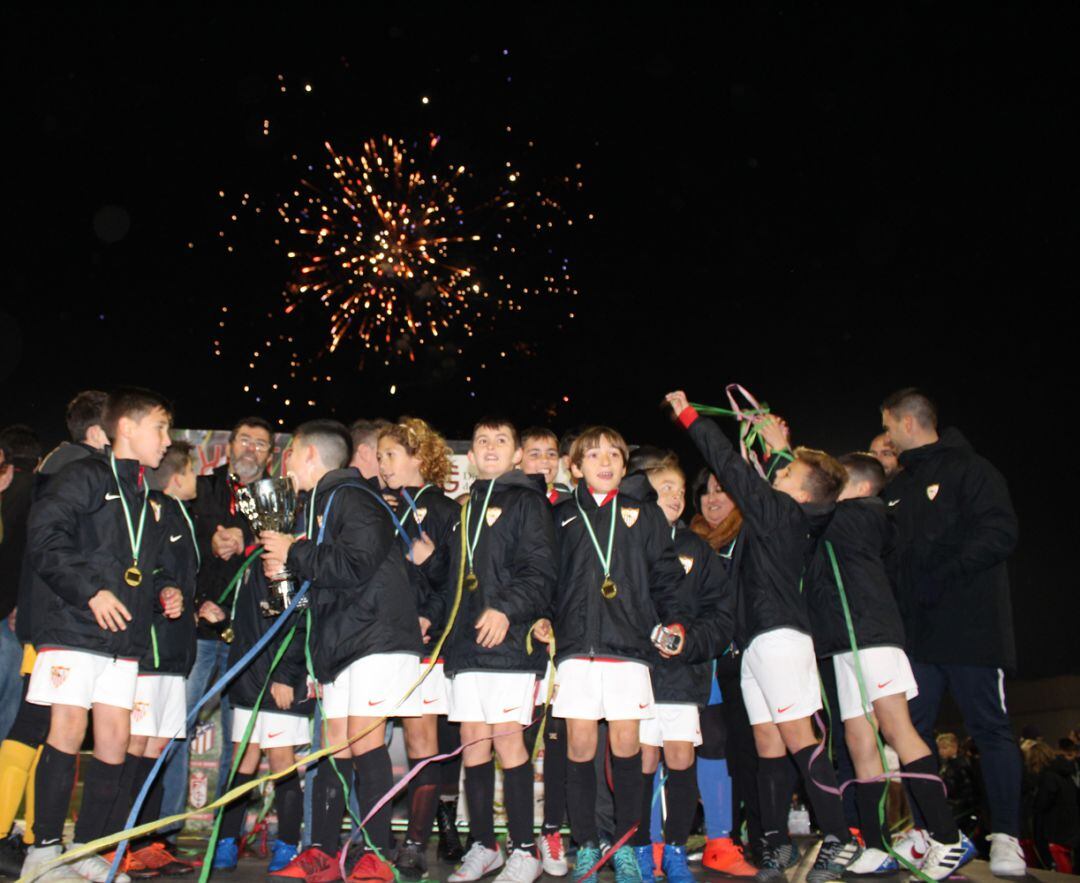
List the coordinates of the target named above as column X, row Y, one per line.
column 554, row 844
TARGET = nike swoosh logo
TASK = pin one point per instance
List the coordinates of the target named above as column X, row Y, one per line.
column 893, row 503
column 176, row 538
column 646, row 705
column 915, row 854
column 883, row 686
column 380, row 702
column 568, row 520
column 508, row 710
column 112, row 497
column 429, row 701
column 785, row 708
column 274, row 735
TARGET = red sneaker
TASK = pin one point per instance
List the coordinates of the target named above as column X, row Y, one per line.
column 724, row 857
column 309, row 863
column 158, row 858
column 131, row 866
column 330, row 873
column 371, row 868
column 658, row 859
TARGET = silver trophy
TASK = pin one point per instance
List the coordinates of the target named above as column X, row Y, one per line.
column 270, row 504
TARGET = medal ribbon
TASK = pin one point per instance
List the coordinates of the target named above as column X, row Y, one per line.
column 471, row 547
column 605, row 560
column 134, row 538
column 411, row 501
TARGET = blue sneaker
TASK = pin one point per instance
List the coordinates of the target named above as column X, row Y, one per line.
column 587, row 857
column 626, row 865
column 281, row 854
column 645, row 862
column 674, row 864
column 874, row 863
column 226, row 855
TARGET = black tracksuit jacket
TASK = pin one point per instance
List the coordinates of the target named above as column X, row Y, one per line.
column 863, row 538
column 175, row 637
column 362, row 601
column 777, row 539
column 78, row 544
column 515, row 563
column 646, row 571
column 956, row 528
column 708, row 595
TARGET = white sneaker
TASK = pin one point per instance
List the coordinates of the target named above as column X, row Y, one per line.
column 37, row 856
column 521, row 867
column 1006, row 856
column 478, row 862
column 912, row 846
column 94, row 868
column 944, row 858
column 553, row 855
column 873, row 863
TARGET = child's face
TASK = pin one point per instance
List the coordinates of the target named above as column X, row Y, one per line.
column 791, row 480
column 493, row 452
column 183, row 484
column 541, row 458
column 854, row 490
column 303, row 464
column 670, row 489
column 715, row 504
column 396, row 468
column 602, row 467
column 146, row 439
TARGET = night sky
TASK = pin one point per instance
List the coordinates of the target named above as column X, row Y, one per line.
column 824, row 204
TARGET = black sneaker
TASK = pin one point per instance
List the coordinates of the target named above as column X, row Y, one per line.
column 774, row 860
column 450, row 849
column 833, row 859
column 12, row 855
column 411, row 862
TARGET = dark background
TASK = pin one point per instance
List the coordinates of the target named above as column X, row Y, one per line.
column 823, row 203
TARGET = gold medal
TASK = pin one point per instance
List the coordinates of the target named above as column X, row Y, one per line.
column 608, row 588
column 228, row 634
column 471, row 582
column 133, row 576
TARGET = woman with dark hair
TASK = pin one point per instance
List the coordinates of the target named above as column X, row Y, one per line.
column 718, row 519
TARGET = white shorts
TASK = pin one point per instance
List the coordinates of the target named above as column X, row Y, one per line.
column 75, row 677
column 886, row 672
column 599, row 689
column 492, row 697
column 373, row 686
column 434, row 698
column 673, row 723
column 272, row 728
column 779, row 677
column 160, row 707
column 542, row 687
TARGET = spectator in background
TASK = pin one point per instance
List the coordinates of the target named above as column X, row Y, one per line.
column 886, row 454
column 960, row 784
column 365, row 439
column 1056, row 814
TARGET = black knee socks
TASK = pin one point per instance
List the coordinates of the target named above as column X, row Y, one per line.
column 151, row 808
column 581, row 801
column 449, row 739
column 129, row 781
column 480, row 799
column 682, row 801
column 776, row 778
column 518, row 793
column 554, row 773
column 52, row 788
column 374, row 777
column 289, row 804
column 328, row 804
column 626, row 782
column 643, row 835
column 423, row 795
column 102, row 800
column 930, row 797
column 232, row 817
column 868, row 798
column 817, row 775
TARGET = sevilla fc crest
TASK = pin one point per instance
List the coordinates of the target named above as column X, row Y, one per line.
column 156, row 507
column 687, row 563
column 58, row 674
column 493, row 515
column 138, row 711
column 420, row 514
column 630, row 516
column 197, row 789
column 932, row 490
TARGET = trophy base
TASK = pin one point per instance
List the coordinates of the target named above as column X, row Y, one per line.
column 279, row 598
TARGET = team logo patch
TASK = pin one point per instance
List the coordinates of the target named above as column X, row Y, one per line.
column 318, row 520
column 203, row 743
column 932, row 490
column 138, row 711
column 687, row 563
column 58, row 674
column 493, row 514
column 197, row 789
column 630, row 516
column 155, row 507
column 420, row 514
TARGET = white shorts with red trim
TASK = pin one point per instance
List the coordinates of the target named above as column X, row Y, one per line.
column 779, row 677
column 374, row 686
column 492, row 697
column 673, row 723
column 886, row 671
column 75, row 677
column 603, row 689
column 434, row 691
column 160, row 707
column 272, row 728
